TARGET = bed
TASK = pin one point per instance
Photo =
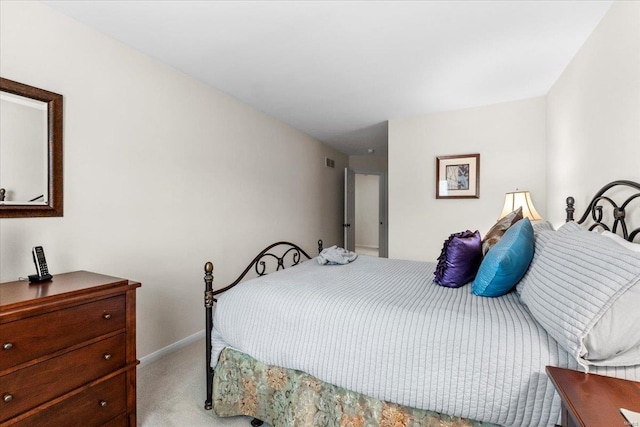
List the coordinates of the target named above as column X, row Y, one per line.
column 375, row 342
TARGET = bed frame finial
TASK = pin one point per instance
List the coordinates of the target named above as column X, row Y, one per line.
column 320, row 245
column 570, row 209
column 208, row 281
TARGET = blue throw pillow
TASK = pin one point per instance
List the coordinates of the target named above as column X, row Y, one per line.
column 459, row 260
column 506, row 262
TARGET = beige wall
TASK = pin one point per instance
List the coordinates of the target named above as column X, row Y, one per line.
column 510, row 138
column 593, row 113
column 162, row 173
column 368, row 163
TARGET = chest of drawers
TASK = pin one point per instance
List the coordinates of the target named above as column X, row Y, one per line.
column 68, row 351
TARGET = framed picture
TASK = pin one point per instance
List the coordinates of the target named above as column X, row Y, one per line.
column 458, row 177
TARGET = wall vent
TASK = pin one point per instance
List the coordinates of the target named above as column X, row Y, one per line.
column 330, row 163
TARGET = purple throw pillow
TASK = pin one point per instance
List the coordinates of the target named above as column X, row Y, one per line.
column 459, row 260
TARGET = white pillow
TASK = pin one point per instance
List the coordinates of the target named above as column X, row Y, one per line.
column 542, row 226
column 542, row 231
column 611, row 328
column 583, row 289
column 620, row 240
column 615, row 339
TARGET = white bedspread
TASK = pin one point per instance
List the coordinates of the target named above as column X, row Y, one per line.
column 382, row 328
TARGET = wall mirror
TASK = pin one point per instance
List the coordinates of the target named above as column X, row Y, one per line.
column 30, row 151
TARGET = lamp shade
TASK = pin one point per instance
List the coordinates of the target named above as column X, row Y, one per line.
column 513, row 201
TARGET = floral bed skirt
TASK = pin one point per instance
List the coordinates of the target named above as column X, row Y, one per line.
column 284, row 397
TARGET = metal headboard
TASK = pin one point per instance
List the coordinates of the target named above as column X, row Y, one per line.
column 259, row 262
column 596, row 207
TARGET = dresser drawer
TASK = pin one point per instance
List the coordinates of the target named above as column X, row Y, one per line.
column 36, row 384
column 32, row 337
column 120, row 421
column 91, row 408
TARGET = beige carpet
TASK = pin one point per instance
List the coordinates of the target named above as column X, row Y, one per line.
column 171, row 392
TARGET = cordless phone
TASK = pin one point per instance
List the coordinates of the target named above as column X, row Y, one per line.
column 41, row 266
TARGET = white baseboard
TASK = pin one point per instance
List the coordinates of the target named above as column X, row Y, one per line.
column 152, row 357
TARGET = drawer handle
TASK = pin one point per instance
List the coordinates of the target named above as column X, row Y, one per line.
column 7, row 398
column 107, row 356
column 7, row 346
column 103, row 403
column 106, row 316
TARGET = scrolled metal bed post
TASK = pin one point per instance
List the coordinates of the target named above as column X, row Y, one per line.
column 208, row 304
column 209, row 300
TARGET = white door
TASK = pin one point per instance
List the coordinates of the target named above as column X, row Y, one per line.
column 383, row 244
column 349, row 225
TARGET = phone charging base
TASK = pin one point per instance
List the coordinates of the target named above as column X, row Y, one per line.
column 34, row 278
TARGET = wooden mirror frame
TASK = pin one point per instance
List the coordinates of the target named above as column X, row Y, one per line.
column 54, row 152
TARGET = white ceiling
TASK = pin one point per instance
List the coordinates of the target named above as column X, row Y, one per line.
column 338, row 70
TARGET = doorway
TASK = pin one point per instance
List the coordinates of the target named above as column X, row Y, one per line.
column 365, row 226
column 367, row 215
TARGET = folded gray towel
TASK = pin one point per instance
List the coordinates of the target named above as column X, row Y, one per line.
column 336, row 255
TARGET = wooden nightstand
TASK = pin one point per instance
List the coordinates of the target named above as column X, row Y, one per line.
column 591, row 400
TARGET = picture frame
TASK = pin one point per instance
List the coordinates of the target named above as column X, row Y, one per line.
column 458, row 177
